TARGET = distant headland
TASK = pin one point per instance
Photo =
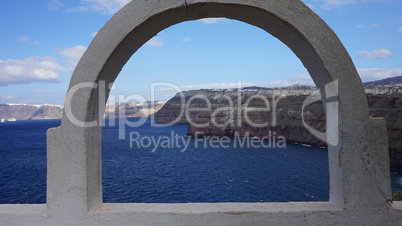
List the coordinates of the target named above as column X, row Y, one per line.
column 240, row 112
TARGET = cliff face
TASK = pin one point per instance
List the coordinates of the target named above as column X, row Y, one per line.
column 131, row 110
column 175, row 109
column 26, row 112
column 390, row 108
column 257, row 113
column 46, row 111
column 388, row 82
column 247, row 112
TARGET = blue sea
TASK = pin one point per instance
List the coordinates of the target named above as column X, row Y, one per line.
column 163, row 165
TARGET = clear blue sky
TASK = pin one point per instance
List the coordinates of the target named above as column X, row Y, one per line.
column 41, row 41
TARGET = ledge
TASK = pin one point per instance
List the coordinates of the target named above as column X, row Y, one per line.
column 223, row 208
column 397, row 205
column 22, row 209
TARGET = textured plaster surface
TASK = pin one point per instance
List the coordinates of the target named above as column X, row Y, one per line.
column 358, row 161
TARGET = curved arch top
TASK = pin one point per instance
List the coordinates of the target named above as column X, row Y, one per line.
column 291, row 21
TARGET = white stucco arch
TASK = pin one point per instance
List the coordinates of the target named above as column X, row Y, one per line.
column 359, row 164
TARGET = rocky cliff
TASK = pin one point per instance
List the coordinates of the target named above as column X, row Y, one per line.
column 9, row 112
column 388, row 82
column 27, row 112
column 133, row 110
column 277, row 112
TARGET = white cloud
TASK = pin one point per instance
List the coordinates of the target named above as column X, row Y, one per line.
column 371, row 25
column 378, row 54
column 329, row 4
column 75, row 52
column 216, row 86
column 371, row 74
column 24, row 39
column 54, row 5
column 102, row 6
column 400, row 30
column 8, row 97
column 93, row 34
column 32, row 69
column 304, row 79
column 79, row 9
column 186, row 39
column 213, row 20
column 40, row 91
column 310, row 6
column 155, row 42
column 366, row 74
column 38, row 69
column 73, row 55
column 27, row 40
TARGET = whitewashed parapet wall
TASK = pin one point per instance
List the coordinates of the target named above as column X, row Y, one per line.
column 358, row 157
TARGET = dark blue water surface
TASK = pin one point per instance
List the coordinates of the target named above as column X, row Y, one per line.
column 23, row 161
column 169, row 172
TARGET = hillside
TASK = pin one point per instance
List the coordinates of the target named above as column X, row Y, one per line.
column 388, row 82
column 9, row 112
column 28, row 112
column 282, row 118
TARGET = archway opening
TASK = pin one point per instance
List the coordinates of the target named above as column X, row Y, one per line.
column 157, row 164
